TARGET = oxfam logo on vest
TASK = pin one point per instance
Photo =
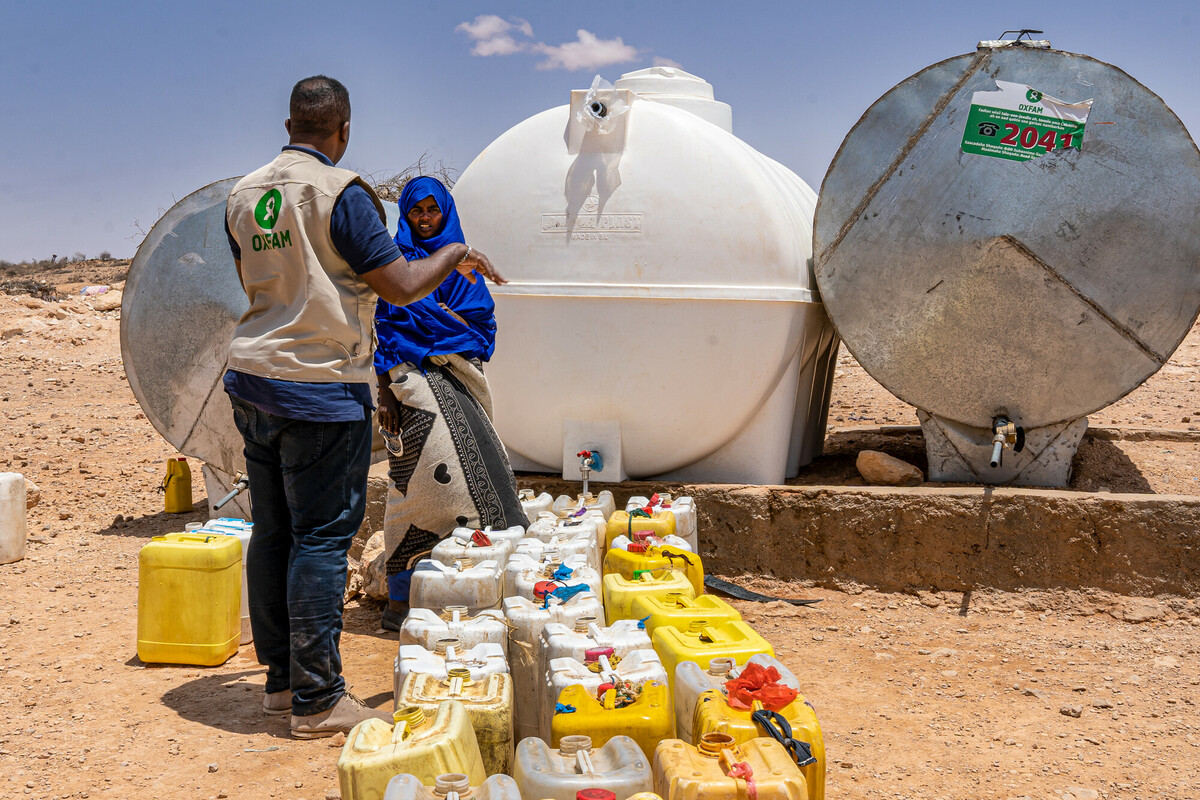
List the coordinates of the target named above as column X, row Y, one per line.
column 266, row 214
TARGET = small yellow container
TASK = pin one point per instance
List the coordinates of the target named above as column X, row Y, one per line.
column 662, row 522
column 647, row 720
column 702, row 642
column 177, row 486
column 189, row 599
column 715, row 715
column 679, row 611
column 702, row 772
column 655, row 558
column 489, row 704
column 619, row 592
column 426, row 748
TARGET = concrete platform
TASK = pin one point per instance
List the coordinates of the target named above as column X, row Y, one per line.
column 930, row 538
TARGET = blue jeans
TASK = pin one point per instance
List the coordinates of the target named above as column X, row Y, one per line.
column 308, row 484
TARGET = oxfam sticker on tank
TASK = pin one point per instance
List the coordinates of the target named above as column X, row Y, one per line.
column 266, row 214
column 1018, row 123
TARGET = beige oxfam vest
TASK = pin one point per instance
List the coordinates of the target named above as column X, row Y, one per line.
column 310, row 317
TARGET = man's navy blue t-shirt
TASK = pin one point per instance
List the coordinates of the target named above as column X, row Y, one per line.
column 362, row 239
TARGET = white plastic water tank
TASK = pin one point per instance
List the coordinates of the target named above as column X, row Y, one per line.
column 661, row 308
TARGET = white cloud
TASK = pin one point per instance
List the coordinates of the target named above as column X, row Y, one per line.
column 587, row 52
column 496, row 36
column 659, row 61
column 493, row 35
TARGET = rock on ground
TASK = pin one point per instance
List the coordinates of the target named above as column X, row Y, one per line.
column 881, row 469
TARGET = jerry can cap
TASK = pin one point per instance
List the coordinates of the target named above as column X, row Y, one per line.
column 593, row 654
column 595, row 794
column 570, row 745
column 711, row 744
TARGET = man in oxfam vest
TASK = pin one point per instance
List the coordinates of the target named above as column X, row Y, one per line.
column 313, row 252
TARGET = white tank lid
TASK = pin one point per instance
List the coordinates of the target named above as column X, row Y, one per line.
column 665, row 80
column 673, row 87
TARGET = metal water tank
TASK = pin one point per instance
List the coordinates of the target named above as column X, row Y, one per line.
column 1008, row 241
column 661, row 309
column 181, row 302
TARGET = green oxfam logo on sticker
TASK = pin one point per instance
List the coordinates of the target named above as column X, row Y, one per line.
column 1033, row 96
column 266, row 213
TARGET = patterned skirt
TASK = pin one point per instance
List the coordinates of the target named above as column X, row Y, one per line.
column 453, row 471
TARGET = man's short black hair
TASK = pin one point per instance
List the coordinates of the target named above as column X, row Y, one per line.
column 319, row 106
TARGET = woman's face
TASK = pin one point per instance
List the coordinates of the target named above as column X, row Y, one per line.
column 425, row 218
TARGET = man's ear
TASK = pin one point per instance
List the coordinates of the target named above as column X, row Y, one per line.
column 287, row 126
column 344, row 134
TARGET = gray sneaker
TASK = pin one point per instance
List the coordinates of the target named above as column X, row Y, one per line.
column 345, row 714
column 277, row 703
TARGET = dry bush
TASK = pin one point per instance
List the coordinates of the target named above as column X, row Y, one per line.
column 389, row 186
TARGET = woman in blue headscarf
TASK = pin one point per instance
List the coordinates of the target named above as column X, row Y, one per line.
column 447, row 467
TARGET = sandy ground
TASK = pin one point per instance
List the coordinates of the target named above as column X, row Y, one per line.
column 946, row 696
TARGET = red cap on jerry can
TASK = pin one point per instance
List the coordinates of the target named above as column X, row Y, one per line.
column 595, row 794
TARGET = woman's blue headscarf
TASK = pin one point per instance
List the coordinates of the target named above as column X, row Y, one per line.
column 424, row 328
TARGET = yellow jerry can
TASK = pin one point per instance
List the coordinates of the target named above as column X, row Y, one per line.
column 375, row 751
column 719, row 769
column 177, row 486
column 655, row 558
column 647, row 720
column 715, row 715
column 660, row 522
column 679, row 611
column 189, row 599
column 489, row 704
column 619, row 591
column 702, row 642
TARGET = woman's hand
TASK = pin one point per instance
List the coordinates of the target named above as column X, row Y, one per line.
column 476, row 261
column 389, row 407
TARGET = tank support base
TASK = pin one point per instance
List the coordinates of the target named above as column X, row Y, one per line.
column 963, row 454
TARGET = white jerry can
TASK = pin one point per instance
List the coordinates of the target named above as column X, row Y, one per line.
column 549, row 773
column 523, row 573
column 424, row 627
column 464, row 583
column 477, row 545
column 581, row 543
column 480, row 661
column 603, row 502
column 684, row 509
column 526, row 620
column 550, row 524
column 531, row 505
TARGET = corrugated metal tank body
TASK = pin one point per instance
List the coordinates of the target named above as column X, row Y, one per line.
column 660, row 297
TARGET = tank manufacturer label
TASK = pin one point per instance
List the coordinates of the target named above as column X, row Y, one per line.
column 589, row 223
column 597, row 226
column 1018, row 123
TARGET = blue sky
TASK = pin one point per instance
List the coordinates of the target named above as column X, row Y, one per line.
column 112, row 111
